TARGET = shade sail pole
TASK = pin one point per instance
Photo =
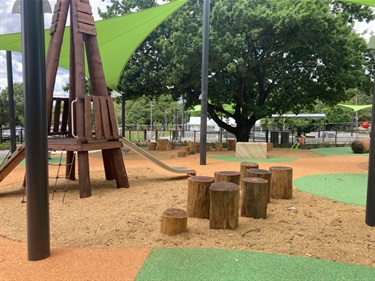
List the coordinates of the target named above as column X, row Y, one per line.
column 204, row 91
column 34, row 80
column 370, row 203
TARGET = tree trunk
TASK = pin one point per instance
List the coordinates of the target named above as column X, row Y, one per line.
column 254, row 198
column 228, row 176
column 173, row 221
column 198, row 204
column 264, row 174
column 281, row 182
column 244, row 167
column 224, row 205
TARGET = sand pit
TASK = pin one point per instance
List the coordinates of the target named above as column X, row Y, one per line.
column 307, row 225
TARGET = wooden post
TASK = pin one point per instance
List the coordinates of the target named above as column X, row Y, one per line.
column 231, row 145
column 194, row 147
column 162, row 144
column 224, row 205
column 152, row 146
column 218, row 146
column 264, row 174
column 228, row 176
column 198, row 204
column 181, row 153
column 281, row 186
column 254, row 198
column 244, row 167
column 173, row 221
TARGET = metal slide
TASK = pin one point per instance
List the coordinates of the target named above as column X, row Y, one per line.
column 12, row 161
column 156, row 161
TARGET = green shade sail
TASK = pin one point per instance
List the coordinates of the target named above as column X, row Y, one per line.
column 117, row 38
column 361, row 2
column 356, row 107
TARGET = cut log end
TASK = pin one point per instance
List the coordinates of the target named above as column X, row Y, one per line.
column 173, row 221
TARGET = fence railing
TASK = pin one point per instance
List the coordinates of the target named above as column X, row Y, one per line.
column 336, row 134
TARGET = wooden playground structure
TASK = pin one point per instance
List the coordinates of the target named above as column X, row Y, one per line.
column 81, row 122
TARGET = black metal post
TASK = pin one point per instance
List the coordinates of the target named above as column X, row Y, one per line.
column 370, row 203
column 12, row 118
column 204, row 91
column 34, row 79
column 123, row 114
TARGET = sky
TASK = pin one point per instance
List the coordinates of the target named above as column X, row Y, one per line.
column 10, row 23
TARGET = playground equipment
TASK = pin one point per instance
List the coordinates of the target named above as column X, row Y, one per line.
column 361, row 145
column 81, row 122
column 300, row 140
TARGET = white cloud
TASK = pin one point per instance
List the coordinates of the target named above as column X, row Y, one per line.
column 10, row 23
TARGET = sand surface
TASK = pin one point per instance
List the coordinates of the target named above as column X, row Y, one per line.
column 307, row 225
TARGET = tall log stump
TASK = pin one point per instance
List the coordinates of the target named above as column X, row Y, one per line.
column 194, row 147
column 228, row 176
column 263, row 174
column 161, row 144
column 281, row 186
column 218, row 146
column 254, row 198
column 244, row 167
column 198, row 202
column 224, row 205
column 361, row 145
column 173, row 221
column 231, row 145
column 152, row 146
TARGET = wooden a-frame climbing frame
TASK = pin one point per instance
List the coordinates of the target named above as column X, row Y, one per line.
column 82, row 122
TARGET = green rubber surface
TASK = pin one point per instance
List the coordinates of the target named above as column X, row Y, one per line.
column 337, row 151
column 345, row 188
column 235, row 159
column 221, row 264
column 52, row 160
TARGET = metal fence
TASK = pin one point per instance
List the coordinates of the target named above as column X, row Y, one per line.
column 330, row 134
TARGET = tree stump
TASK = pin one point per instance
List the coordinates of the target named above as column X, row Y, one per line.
column 187, row 149
column 264, row 174
column 173, row 221
column 231, row 145
column 162, row 144
column 228, row 176
column 361, row 145
column 181, row 153
column 218, row 146
column 194, row 147
column 224, row 205
column 254, row 198
column 198, row 202
column 151, row 146
column 243, row 168
column 281, row 186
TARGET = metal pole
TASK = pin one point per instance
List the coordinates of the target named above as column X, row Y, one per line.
column 204, row 94
column 183, row 118
column 370, row 203
column 123, row 115
column 12, row 119
column 34, row 79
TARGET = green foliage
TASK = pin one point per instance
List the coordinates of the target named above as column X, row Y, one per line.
column 138, row 111
column 266, row 57
column 18, row 105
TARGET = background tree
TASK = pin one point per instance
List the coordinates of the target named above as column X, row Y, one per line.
column 266, row 57
column 18, row 106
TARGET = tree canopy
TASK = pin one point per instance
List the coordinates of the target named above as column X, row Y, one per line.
column 265, row 57
column 18, row 105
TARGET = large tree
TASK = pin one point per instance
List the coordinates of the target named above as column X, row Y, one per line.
column 266, row 57
column 18, row 106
